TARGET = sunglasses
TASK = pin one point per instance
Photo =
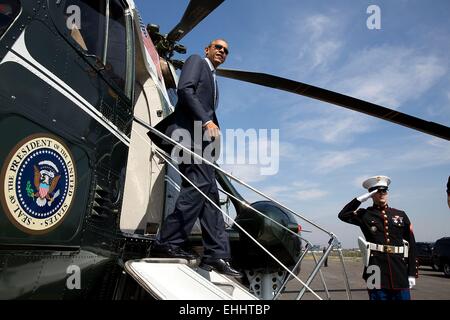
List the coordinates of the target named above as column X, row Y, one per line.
column 220, row 47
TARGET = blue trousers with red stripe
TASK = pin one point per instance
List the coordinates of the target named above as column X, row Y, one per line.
column 389, row 294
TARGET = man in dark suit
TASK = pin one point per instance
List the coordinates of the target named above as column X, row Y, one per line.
column 195, row 113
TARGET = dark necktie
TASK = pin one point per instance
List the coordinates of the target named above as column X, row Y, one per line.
column 216, row 92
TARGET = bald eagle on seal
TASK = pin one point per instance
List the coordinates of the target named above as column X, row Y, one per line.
column 45, row 183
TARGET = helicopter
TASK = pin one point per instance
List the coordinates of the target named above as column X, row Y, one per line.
column 82, row 191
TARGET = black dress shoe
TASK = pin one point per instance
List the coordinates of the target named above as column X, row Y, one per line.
column 169, row 252
column 220, row 266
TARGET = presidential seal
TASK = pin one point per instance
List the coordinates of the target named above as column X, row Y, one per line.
column 38, row 183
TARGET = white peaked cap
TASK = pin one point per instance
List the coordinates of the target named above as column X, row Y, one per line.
column 376, row 181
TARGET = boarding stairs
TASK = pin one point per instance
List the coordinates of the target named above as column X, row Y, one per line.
column 175, row 279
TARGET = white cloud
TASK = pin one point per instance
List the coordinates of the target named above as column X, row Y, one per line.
column 335, row 127
column 357, row 181
column 322, row 40
column 277, row 192
column 288, row 150
column 324, row 51
column 387, row 75
column 390, row 75
column 433, row 152
column 296, row 191
column 312, row 194
column 316, row 25
column 247, row 173
column 330, row 161
column 403, row 154
column 303, row 184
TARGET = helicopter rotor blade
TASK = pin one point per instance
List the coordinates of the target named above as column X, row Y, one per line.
column 332, row 97
column 196, row 11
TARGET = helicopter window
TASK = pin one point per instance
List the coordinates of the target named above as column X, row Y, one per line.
column 117, row 52
column 89, row 30
column 8, row 11
column 102, row 33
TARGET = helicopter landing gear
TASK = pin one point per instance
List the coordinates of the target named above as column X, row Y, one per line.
column 265, row 284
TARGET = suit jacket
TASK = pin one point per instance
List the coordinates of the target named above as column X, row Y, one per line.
column 195, row 102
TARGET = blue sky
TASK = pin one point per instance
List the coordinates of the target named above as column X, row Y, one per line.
column 327, row 151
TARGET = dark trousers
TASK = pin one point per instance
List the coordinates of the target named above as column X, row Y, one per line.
column 389, row 294
column 191, row 205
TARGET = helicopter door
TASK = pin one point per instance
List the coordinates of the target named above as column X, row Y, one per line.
column 144, row 192
column 102, row 32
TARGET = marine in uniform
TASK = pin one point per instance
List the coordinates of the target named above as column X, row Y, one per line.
column 389, row 237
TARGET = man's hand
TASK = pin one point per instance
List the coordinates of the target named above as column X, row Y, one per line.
column 412, row 282
column 212, row 129
column 366, row 196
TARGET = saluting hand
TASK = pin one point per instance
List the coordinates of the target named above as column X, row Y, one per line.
column 366, row 196
column 212, row 129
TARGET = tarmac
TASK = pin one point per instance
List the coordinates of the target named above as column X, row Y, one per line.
column 431, row 285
